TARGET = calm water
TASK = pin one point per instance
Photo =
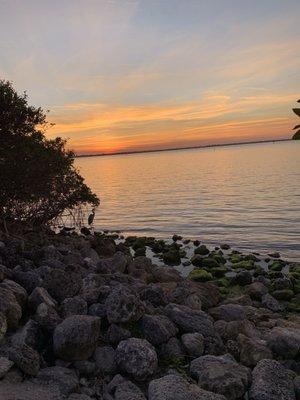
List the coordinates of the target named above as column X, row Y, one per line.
column 247, row 196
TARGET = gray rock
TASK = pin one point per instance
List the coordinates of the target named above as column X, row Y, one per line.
column 271, row 303
column 61, row 284
column 231, row 330
column 271, row 381
column 116, row 333
column 154, row 294
column 30, row 334
column 19, row 292
column 189, row 320
column 40, row 295
column 29, row 280
column 122, row 389
column 284, row 342
column 158, row 328
column 27, row 390
column 10, row 308
column 193, row 343
column 3, row 326
column 228, row 312
column 76, row 337
column 5, row 366
column 117, row 263
column 97, row 310
column 256, row 290
column 64, row 379
column 253, row 350
column 173, row 349
column 175, row 387
column 221, row 374
column 73, row 306
column 47, row 317
column 105, row 358
column 137, row 357
column 122, row 305
column 243, row 278
column 85, row 368
column 27, row 359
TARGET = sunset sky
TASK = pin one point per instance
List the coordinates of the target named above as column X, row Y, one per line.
column 127, row 75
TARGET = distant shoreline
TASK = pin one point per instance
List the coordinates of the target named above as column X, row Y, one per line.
column 181, row 148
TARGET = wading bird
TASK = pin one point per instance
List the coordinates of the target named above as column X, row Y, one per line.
column 91, row 217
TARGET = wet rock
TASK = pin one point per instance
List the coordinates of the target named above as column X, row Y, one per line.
column 158, row 328
column 243, row 278
column 271, row 381
column 221, row 374
column 190, row 321
column 285, row 342
column 10, row 308
column 76, row 337
column 115, row 334
column 40, row 295
column 73, row 306
column 122, row 305
column 256, row 290
column 253, row 350
column 105, row 359
column 137, row 357
column 271, row 303
column 193, row 343
column 26, row 359
column 202, row 250
column 228, row 312
column 200, row 275
column 121, row 389
column 175, row 387
column 62, row 378
column 47, row 317
column 5, row 366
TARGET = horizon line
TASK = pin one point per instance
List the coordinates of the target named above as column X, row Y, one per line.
column 181, row 148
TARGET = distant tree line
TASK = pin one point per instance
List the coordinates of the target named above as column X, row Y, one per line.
column 38, row 180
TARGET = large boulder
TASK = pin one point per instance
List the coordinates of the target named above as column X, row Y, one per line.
column 271, row 303
column 10, row 308
column 117, row 263
column 221, row 374
column 76, row 337
column 193, row 344
column 30, row 334
column 123, row 305
column 158, row 328
column 40, row 295
column 19, row 292
column 253, row 350
column 228, row 312
column 231, row 330
column 137, row 357
column 73, row 306
column 285, row 342
column 256, row 290
column 271, row 381
column 189, row 320
column 62, row 284
column 175, row 387
column 47, row 317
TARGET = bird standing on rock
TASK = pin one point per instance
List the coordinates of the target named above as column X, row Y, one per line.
column 91, row 217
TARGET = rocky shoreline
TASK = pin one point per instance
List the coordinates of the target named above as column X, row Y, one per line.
column 112, row 318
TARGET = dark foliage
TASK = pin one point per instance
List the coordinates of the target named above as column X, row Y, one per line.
column 296, row 136
column 38, row 180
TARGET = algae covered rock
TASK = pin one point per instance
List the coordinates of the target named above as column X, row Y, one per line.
column 200, row 275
